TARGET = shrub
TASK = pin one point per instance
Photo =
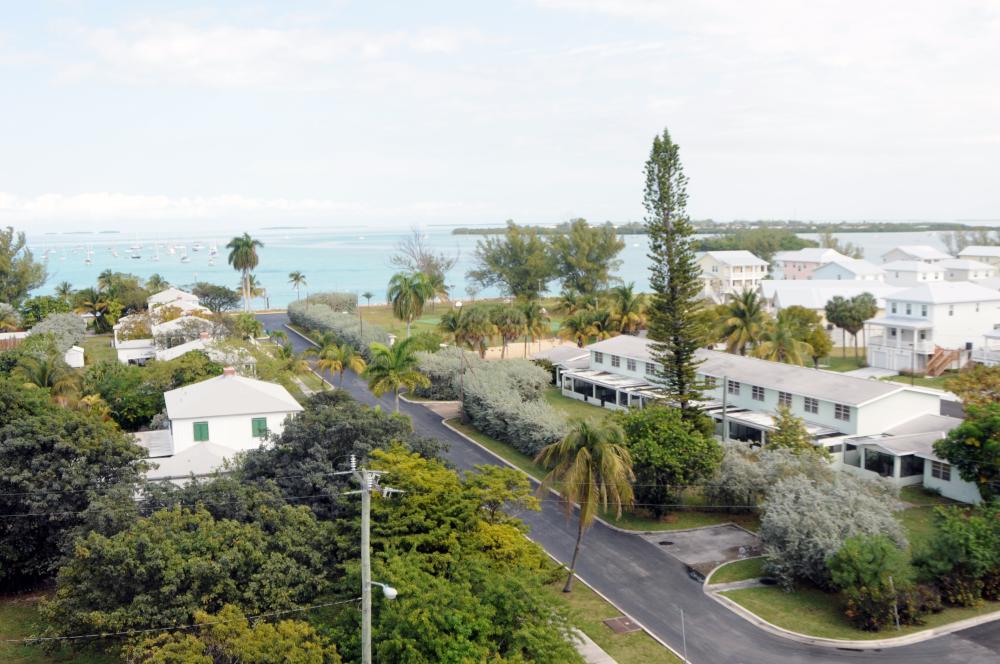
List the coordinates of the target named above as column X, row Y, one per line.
column 746, row 474
column 805, row 522
column 874, row 574
column 444, row 369
column 504, row 400
column 66, row 329
column 345, row 327
column 338, row 302
column 963, row 554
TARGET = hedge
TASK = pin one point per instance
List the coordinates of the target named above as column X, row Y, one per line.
column 339, row 302
column 346, row 327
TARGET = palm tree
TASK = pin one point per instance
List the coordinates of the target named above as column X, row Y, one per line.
column 576, row 328
column 297, row 280
column 536, row 322
column 408, row 293
column 338, row 359
column 779, row 343
column 9, row 319
column 394, row 367
column 49, row 372
column 92, row 302
column 254, row 288
column 451, row 323
column 475, row 328
column 592, row 468
column 156, row 283
column 278, row 336
column 628, row 307
column 439, row 289
column 368, row 295
column 243, row 257
column 742, row 322
column 603, row 324
column 290, row 362
column 510, row 324
column 106, row 280
column 64, row 290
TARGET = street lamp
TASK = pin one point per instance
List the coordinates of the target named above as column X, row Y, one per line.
column 387, row 590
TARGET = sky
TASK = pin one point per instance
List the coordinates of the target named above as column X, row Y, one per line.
column 125, row 115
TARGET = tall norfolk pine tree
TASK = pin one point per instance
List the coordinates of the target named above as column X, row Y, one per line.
column 673, row 321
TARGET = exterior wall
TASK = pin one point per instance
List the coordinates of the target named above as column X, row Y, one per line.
column 840, row 273
column 956, row 488
column 989, row 259
column 722, row 278
column 953, row 325
column 794, row 269
column 898, row 254
column 895, row 409
column 74, row 357
column 913, row 278
column 137, row 350
column 232, row 430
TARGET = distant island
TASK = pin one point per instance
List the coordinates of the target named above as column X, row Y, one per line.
column 792, row 226
column 285, row 228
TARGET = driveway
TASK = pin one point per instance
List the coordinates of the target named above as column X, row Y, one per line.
column 703, row 549
column 653, row 588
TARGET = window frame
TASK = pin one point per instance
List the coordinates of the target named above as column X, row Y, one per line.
column 842, row 412
column 757, row 392
column 616, row 361
column 630, row 364
column 785, row 399
column 255, row 432
column 203, row 426
column 598, row 357
column 941, row 470
column 733, row 387
column 810, row 405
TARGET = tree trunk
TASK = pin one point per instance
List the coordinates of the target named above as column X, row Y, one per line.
column 576, row 552
column 407, row 328
column 395, row 393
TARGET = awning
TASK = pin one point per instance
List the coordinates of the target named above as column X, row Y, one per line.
column 902, row 321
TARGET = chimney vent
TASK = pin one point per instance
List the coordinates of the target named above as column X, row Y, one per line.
column 229, row 371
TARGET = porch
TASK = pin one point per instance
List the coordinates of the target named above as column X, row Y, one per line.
column 989, row 353
column 904, row 344
column 898, row 459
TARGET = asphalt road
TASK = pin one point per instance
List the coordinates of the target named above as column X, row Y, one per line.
column 653, row 587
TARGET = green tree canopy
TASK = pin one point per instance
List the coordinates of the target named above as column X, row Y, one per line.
column 408, row 293
column 518, row 262
column 19, row 271
column 790, row 433
column 40, row 307
column 973, row 447
column 216, row 298
column 585, row 256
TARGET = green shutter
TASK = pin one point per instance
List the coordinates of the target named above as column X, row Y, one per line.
column 258, row 427
column 200, row 432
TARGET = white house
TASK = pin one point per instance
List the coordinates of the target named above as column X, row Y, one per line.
column 243, row 361
column 74, row 357
column 965, row 269
column 932, row 327
column 815, row 293
column 801, row 263
column 188, row 324
column 912, row 273
column 844, row 414
column 213, row 420
column 983, row 253
column 915, row 252
column 849, row 269
column 725, row 272
column 173, row 296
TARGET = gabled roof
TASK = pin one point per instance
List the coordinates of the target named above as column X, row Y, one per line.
column 170, row 295
column 199, row 460
column 947, row 292
column 229, row 395
column 920, row 251
column 809, row 255
column 179, row 323
column 980, row 250
column 815, row 293
column 965, row 264
column 855, row 266
column 736, row 257
column 825, row 385
column 911, row 266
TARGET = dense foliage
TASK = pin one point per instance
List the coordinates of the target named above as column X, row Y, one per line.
column 66, row 330
column 346, row 328
column 762, row 242
column 973, row 447
column 19, row 271
column 669, row 453
column 963, row 556
column 445, row 370
column 55, row 463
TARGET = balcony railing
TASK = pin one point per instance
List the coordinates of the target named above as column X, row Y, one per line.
column 988, row 357
column 895, row 342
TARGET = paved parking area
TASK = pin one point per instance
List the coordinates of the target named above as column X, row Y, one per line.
column 704, row 548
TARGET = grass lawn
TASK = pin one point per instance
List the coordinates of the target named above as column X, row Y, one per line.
column 814, row 612
column 573, row 408
column 936, row 382
column 739, row 570
column 632, row 521
column 19, row 619
column 842, row 359
column 97, row 348
column 587, row 610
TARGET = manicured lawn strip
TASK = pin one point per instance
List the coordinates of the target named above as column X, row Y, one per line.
column 739, row 570
column 936, row 382
column 573, row 408
column 314, row 382
column 674, row 521
column 19, row 619
column 587, row 610
column 97, row 348
column 918, row 495
column 816, row 613
column 848, row 363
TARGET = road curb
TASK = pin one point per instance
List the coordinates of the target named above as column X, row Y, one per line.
column 872, row 644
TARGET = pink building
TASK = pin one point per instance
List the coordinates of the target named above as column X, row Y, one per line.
column 801, row 263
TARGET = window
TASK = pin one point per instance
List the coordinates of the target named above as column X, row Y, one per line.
column 977, row 307
column 892, row 332
column 200, row 432
column 951, row 309
column 757, row 392
column 733, row 387
column 616, row 361
column 785, row 399
column 811, row 405
column 709, row 382
column 258, row 427
column 893, row 307
column 842, row 412
column 650, row 368
column 941, row 470
column 923, row 335
column 835, row 449
column 909, row 309
column 630, row 364
column 598, row 357
column 923, row 310
column 911, row 465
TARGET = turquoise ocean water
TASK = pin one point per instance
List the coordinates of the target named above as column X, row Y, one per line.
column 331, row 259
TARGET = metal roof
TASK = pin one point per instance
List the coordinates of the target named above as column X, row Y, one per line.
column 902, row 321
column 809, row 255
column 922, row 251
column 826, row 385
column 229, row 395
column 199, row 460
column 736, row 257
column 965, row 264
column 980, row 250
column 947, row 292
column 854, row 266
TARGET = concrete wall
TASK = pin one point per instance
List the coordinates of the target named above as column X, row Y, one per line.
column 956, row 488
column 232, row 431
column 840, row 273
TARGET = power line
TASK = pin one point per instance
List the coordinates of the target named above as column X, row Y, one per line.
column 105, row 635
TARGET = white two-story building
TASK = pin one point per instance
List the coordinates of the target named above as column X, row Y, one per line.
column 913, row 273
column 915, row 252
column 211, row 421
column 932, row 327
column 727, row 272
column 965, row 269
column 858, row 420
column 989, row 254
column 849, row 269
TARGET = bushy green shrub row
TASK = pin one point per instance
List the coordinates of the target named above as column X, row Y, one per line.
column 339, row 302
column 504, row 400
column 345, row 327
column 444, row 369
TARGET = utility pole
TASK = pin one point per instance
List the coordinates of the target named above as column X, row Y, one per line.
column 725, row 409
